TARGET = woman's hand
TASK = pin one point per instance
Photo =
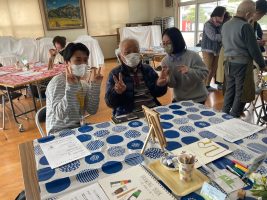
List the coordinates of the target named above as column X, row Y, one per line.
column 97, row 76
column 70, row 78
column 183, row 69
column 163, row 77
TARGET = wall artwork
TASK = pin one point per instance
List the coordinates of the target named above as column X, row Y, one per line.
column 63, row 14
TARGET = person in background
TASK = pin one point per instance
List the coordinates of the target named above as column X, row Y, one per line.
column 240, row 49
column 56, row 54
column 69, row 97
column 133, row 84
column 211, row 42
column 186, row 70
column 220, row 69
column 261, row 10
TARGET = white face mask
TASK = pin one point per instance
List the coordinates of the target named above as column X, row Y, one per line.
column 132, row 59
column 79, row 70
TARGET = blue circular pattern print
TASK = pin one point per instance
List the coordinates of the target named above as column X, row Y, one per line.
column 179, row 112
column 222, row 162
column 101, row 133
column 166, row 125
column 114, row 139
column 207, row 113
column 116, row 151
column 94, row 158
column 173, row 145
column 171, row 134
column 186, row 129
column 257, row 147
column 111, row 167
column 264, row 140
column 175, row 107
column 201, row 124
column 194, row 116
column 94, row 145
column 43, row 161
column 239, row 142
column 153, row 153
column 241, row 155
column 70, row 166
column 207, row 134
column 226, row 116
column 223, row 145
column 166, row 117
column 262, row 170
column 189, row 139
column 134, row 145
column 87, row 175
column 162, row 110
column 119, row 129
column 66, row 132
column 58, row 185
column 181, row 121
column 193, row 109
column 215, row 120
column 187, row 103
column 145, row 129
column 84, row 137
column 103, row 125
column 85, row 129
column 192, row 196
column 46, row 139
column 132, row 134
column 135, row 124
column 45, row 174
column 134, row 159
column 38, row 150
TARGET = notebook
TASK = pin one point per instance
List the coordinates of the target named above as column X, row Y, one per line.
column 134, row 183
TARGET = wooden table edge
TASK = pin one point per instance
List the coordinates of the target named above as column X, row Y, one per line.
column 29, row 172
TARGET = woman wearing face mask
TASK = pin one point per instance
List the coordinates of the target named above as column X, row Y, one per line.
column 133, row 84
column 69, row 97
column 186, row 70
column 211, row 42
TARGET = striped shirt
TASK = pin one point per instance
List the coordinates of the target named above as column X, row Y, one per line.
column 66, row 103
column 142, row 95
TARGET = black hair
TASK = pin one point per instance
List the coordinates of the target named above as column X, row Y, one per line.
column 218, row 11
column 261, row 6
column 68, row 52
column 61, row 40
column 177, row 39
column 227, row 17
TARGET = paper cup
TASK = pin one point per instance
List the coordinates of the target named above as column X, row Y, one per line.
column 185, row 171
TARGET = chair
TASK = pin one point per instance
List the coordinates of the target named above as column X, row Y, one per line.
column 40, row 116
column 3, row 110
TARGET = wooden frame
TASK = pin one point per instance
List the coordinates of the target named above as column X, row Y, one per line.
column 62, row 15
column 155, row 129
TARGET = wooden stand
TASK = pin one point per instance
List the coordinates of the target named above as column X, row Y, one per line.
column 155, row 129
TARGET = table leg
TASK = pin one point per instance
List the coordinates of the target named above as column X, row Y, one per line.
column 33, row 98
column 39, row 94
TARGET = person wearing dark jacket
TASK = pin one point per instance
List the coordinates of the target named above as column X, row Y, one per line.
column 133, row 84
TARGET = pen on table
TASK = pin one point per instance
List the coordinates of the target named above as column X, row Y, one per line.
column 239, row 163
column 241, row 168
column 233, row 171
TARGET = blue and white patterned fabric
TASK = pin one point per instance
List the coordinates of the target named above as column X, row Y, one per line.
column 117, row 147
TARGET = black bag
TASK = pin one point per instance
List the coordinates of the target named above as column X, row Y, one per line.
column 21, row 196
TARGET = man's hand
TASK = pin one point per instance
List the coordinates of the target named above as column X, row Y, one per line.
column 70, row 78
column 97, row 76
column 261, row 42
column 183, row 69
column 119, row 86
column 163, row 77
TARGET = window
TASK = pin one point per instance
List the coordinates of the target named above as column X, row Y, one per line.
column 263, row 22
column 187, row 24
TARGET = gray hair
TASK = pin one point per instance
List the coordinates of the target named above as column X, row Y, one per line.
column 245, row 7
column 132, row 40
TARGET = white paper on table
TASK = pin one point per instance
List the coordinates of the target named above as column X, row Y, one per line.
column 4, row 73
column 93, row 191
column 234, row 129
column 63, row 150
column 228, row 181
column 210, row 192
column 205, row 151
column 27, row 73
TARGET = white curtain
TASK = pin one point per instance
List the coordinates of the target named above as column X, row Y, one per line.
column 20, row 18
column 105, row 16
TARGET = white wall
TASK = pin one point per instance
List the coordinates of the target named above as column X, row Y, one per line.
column 139, row 11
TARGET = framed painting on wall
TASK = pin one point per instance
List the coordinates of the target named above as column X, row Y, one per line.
column 63, row 14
